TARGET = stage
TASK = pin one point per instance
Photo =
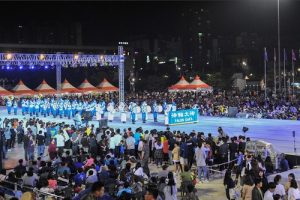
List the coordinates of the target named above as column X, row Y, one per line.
column 277, row 132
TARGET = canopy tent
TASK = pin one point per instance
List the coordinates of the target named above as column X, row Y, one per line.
column 22, row 89
column 4, row 92
column 181, row 85
column 66, row 87
column 44, row 88
column 198, row 84
column 86, row 86
column 106, row 86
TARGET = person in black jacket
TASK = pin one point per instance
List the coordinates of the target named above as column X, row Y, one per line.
column 20, row 170
column 40, row 140
column 25, row 144
column 233, row 148
column 256, row 192
column 229, row 184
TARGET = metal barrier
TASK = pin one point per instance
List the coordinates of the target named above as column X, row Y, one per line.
column 41, row 195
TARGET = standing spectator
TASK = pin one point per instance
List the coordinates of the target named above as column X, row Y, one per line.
column 97, row 192
column 270, row 192
column 52, row 150
column 247, row 188
column 25, row 145
column 170, row 190
column 229, row 184
column 30, row 148
column 130, row 144
column 256, row 192
column 279, row 187
column 60, row 141
column 158, row 152
column 176, row 159
column 284, row 164
column 41, row 143
column 201, row 162
column 293, row 192
column 291, row 177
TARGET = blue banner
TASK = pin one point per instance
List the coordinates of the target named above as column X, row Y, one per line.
column 183, row 117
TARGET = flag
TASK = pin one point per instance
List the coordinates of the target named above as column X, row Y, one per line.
column 266, row 55
column 293, row 55
column 274, row 55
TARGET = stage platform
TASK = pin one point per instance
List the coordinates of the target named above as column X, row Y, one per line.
column 277, row 132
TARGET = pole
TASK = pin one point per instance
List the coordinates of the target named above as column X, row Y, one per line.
column 274, row 70
column 284, row 75
column 58, row 74
column 278, row 40
column 121, row 74
column 293, row 77
column 265, row 62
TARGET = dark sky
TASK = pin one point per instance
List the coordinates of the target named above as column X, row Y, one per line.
column 107, row 22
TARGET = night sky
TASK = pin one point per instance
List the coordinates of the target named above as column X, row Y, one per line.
column 105, row 23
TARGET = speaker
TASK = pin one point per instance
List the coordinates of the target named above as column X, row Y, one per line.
column 102, row 123
column 232, row 111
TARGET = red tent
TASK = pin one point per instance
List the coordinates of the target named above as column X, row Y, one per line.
column 4, row 92
column 66, row 87
column 198, row 84
column 106, row 86
column 22, row 89
column 86, row 86
column 181, row 85
column 44, row 88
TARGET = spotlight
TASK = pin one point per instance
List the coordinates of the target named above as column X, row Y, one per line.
column 46, row 67
column 42, row 57
column 76, row 56
column 8, row 67
column 21, row 67
column 32, row 67
column 8, row 56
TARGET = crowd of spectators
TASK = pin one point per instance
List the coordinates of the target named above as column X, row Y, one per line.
column 87, row 163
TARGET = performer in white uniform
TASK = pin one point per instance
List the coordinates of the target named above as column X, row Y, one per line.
column 111, row 111
column 122, row 111
column 167, row 110
column 98, row 111
column 144, row 111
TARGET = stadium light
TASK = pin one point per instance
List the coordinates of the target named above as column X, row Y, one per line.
column 42, row 57
column 76, row 56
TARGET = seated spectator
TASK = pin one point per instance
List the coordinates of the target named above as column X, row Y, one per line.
column 97, row 191
column 30, row 179
column 164, row 172
column 126, row 189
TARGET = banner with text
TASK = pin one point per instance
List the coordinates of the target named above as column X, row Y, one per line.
column 183, row 117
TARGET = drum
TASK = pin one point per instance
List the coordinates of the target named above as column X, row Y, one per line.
column 138, row 109
column 160, row 108
column 149, row 109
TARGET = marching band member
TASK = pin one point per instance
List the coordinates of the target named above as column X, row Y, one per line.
column 133, row 111
column 102, row 108
column 155, row 111
column 174, row 107
column 61, row 109
column 31, row 107
column 69, row 110
column 111, row 111
column 79, row 108
column 15, row 105
column 54, row 108
column 122, row 112
column 98, row 111
column 37, row 107
column 43, row 108
column 48, row 107
column 23, row 105
column 8, row 105
column 144, row 111
column 74, row 108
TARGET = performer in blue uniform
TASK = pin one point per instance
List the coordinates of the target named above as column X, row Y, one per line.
column 23, row 106
column 37, row 108
column 61, row 109
column 8, row 106
column 102, row 108
column 144, row 111
column 15, row 105
column 31, row 107
column 155, row 111
column 69, row 110
column 133, row 111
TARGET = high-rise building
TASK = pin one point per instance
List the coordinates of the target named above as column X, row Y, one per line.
column 196, row 38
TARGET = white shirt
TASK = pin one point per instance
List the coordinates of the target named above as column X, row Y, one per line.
column 268, row 195
column 130, row 142
column 117, row 139
column 279, row 190
column 293, row 193
column 60, row 140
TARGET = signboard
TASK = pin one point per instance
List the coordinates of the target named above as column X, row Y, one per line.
column 183, row 117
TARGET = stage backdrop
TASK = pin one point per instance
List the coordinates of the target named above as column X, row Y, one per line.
column 180, row 117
